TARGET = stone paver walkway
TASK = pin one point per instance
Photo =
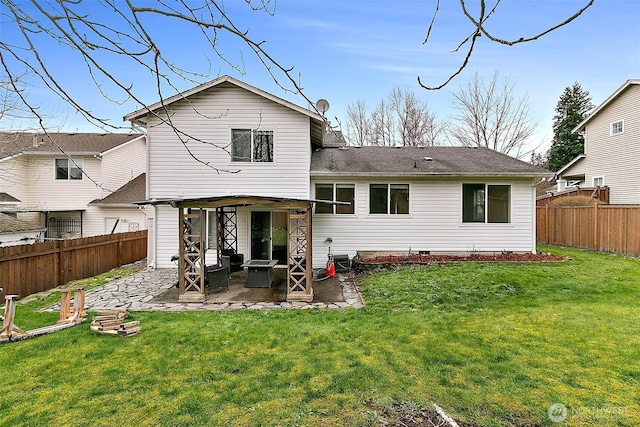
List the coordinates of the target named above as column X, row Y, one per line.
column 135, row 293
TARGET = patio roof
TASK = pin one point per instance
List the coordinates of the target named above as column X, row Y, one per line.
column 238, row 200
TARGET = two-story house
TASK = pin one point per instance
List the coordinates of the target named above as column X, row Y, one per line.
column 232, row 167
column 62, row 181
column 611, row 147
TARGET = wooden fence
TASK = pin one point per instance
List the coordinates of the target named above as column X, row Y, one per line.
column 27, row 269
column 604, row 228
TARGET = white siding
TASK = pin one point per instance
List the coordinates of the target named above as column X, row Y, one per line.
column 13, row 177
column 94, row 220
column 616, row 157
column 166, row 236
column 173, row 172
column 434, row 223
column 44, row 192
column 123, row 163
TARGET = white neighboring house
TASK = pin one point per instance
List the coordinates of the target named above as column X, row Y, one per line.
column 14, row 231
column 59, row 185
column 611, row 148
column 436, row 199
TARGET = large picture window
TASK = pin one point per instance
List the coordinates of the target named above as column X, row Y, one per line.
column 389, row 198
column 68, row 168
column 486, row 203
column 251, row 145
column 335, row 193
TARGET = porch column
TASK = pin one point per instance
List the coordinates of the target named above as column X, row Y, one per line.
column 191, row 263
column 299, row 269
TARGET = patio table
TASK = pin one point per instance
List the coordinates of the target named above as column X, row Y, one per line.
column 259, row 273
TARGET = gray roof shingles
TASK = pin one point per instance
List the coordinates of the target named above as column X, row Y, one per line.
column 412, row 161
column 133, row 191
column 12, row 143
column 9, row 224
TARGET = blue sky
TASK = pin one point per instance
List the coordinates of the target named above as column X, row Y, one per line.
column 349, row 50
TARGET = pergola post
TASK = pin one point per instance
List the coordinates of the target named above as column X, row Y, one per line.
column 191, row 262
column 299, row 269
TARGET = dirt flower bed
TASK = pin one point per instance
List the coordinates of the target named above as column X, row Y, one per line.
column 474, row 257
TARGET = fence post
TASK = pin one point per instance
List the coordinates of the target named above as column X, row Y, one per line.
column 546, row 213
column 595, row 227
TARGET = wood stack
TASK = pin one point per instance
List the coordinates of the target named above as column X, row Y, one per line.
column 111, row 322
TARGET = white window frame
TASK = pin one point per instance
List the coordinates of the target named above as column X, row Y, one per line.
column 612, row 128
column 251, row 147
column 593, row 181
column 335, row 186
column 486, row 221
column 389, row 213
column 72, row 162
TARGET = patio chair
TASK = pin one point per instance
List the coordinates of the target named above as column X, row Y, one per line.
column 235, row 260
column 217, row 277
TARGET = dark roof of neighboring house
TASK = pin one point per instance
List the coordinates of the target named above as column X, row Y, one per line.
column 419, row 161
column 12, row 143
column 133, row 191
column 9, row 224
column 8, row 198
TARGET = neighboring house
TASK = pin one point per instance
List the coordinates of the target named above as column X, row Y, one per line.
column 611, row 148
column 283, row 194
column 14, row 231
column 59, row 185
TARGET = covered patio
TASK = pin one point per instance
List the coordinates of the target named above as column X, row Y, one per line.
column 192, row 262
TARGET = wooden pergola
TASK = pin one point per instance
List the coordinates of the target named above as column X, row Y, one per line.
column 192, row 237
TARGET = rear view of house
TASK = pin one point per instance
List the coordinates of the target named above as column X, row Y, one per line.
column 234, row 169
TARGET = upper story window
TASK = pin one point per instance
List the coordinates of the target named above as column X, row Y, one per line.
column 251, row 145
column 389, row 199
column 68, row 168
column 335, row 193
column 617, row 127
column 486, row 203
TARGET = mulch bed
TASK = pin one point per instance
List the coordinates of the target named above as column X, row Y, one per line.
column 473, row 257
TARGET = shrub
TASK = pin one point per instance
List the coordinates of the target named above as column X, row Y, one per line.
column 574, row 201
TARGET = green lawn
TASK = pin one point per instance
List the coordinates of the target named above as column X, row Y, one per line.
column 494, row 344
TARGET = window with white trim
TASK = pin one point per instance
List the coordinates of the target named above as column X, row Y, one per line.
column 617, row 127
column 486, row 203
column 389, row 199
column 255, row 146
column 68, row 168
column 335, row 193
column 598, row 181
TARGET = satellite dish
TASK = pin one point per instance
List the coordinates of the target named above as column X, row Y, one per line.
column 322, row 106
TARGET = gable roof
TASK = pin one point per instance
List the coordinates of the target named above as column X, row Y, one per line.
column 132, row 191
column 8, row 198
column 419, row 161
column 571, row 163
column 606, row 102
column 133, row 116
column 9, row 224
column 17, row 143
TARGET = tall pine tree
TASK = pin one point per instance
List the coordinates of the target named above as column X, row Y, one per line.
column 572, row 108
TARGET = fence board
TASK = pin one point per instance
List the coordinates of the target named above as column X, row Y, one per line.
column 28, row 269
column 605, row 228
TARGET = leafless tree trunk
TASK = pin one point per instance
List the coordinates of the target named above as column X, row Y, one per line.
column 490, row 115
column 416, row 125
column 382, row 126
column 358, row 124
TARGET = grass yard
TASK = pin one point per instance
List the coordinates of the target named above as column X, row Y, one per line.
column 493, row 344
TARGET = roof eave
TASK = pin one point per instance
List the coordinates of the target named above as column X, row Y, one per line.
column 443, row 175
column 610, row 98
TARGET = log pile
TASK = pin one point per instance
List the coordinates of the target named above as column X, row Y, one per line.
column 112, row 322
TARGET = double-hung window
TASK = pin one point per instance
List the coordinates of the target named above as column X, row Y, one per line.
column 486, row 203
column 68, row 168
column 389, row 199
column 251, row 145
column 335, row 193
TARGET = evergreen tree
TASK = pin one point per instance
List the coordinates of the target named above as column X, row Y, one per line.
column 573, row 106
